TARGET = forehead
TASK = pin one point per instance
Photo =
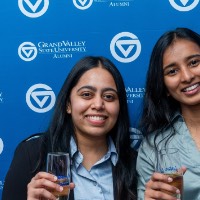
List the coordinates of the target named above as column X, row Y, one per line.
column 180, row 48
column 97, row 77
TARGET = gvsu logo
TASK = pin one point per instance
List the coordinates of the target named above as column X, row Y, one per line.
column 1, row 145
column 27, row 51
column 33, row 10
column 82, row 4
column 125, row 47
column 40, row 98
column 184, row 5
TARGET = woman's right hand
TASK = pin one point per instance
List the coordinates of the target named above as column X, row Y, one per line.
column 157, row 183
column 41, row 183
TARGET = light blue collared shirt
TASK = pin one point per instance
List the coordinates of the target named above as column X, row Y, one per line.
column 97, row 183
column 189, row 157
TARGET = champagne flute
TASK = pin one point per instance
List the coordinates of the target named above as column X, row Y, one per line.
column 168, row 162
column 58, row 163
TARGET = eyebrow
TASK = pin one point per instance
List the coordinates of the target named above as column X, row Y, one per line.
column 94, row 89
column 193, row 56
column 187, row 58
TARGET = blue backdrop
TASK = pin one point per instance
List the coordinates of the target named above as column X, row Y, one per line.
column 42, row 39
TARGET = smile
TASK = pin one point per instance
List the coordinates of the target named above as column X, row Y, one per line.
column 191, row 88
column 96, row 118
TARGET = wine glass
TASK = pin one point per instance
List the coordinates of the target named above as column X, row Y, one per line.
column 58, row 163
column 169, row 163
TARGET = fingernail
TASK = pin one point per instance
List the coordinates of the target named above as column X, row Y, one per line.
column 55, row 178
column 170, row 179
column 177, row 191
column 61, row 189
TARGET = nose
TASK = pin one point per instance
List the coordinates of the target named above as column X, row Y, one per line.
column 187, row 75
column 97, row 103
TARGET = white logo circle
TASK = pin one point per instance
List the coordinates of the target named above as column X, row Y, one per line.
column 27, row 51
column 1, row 145
column 40, row 93
column 33, row 7
column 118, row 43
column 82, row 7
column 184, row 8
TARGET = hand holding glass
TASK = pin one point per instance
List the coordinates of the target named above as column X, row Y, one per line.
column 58, row 163
column 169, row 163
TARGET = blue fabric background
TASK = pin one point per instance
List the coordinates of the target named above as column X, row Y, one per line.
column 31, row 75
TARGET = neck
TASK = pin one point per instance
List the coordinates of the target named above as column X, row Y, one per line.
column 192, row 120
column 192, row 114
column 92, row 150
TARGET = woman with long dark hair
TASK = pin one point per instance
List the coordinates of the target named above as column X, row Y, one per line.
column 91, row 123
column 171, row 114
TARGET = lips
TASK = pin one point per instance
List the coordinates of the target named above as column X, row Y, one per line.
column 96, row 117
column 192, row 87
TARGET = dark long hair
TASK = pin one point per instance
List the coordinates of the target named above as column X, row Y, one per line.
column 158, row 108
column 61, row 129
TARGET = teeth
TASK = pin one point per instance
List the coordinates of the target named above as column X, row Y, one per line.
column 191, row 88
column 96, row 117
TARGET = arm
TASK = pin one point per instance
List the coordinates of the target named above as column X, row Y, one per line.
column 21, row 182
column 17, row 176
column 144, row 167
column 150, row 183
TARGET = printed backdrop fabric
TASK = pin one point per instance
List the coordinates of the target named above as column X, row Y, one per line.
column 42, row 39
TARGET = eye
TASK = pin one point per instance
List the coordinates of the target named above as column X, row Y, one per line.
column 86, row 95
column 171, row 71
column 194, row 63
column 109, row 97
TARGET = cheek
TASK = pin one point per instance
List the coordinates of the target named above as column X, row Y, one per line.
column 171, row 84
column 196, row 70
column 114, row 110
column 77, row 107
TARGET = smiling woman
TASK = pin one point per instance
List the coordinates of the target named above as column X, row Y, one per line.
column 91, row 123
column 171, row 115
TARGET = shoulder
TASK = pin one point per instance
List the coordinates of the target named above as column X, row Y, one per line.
column 33, row 141
column 30, row 146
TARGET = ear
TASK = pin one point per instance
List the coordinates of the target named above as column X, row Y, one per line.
column 68, row 108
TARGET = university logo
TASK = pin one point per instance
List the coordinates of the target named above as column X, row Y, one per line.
column 40, row 98
column 125, row 47
column 185, row 5
column 1, row 145
column 33, row 8
column 27, row 51
column 134, row 92
column 136, row 138
column 82, row 4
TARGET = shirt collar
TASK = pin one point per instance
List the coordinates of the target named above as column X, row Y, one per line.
column 176, row 117
column 112, row 152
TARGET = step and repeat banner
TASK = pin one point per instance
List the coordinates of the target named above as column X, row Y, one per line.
column 41, row 40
